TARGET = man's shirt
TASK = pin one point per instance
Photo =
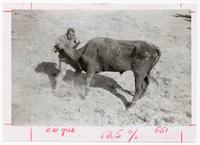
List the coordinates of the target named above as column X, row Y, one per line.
column 63, row 42
column 67, row 45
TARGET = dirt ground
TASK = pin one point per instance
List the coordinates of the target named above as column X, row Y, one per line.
column 166, row 102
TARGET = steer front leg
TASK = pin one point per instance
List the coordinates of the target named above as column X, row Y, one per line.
column 59, row 64
column 88, row 81
column 91, row 69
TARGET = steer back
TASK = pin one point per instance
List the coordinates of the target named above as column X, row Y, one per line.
column 114, row 55
column 107, row 54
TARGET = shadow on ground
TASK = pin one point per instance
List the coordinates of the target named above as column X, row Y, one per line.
column 99, row 81
column 49, row 68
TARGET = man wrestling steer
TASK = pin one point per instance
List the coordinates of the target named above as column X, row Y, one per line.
column 105, row 54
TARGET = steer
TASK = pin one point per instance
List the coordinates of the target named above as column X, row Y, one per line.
column 106, row 54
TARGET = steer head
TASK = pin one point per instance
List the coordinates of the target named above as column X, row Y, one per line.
column 69, row 56
column 66, row 52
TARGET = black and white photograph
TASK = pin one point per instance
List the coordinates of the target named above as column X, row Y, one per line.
column 101, row 67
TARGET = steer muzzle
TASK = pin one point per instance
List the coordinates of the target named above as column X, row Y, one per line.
column 56, row 48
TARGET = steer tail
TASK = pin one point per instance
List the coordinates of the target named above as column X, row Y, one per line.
column 153, row 64
column 157, row 57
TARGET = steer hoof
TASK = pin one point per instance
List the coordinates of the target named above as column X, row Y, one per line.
column 128, row 105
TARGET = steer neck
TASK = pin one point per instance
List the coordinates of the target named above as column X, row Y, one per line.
column 79, row 52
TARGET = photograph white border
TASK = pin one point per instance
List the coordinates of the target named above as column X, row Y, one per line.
column 24, row 133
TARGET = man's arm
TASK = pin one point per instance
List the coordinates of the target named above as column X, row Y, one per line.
column 60, row 42
column 66, row 47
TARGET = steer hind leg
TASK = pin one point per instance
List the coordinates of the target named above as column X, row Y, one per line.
column 146, row 82
column 139, row 85
column 141, row 73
